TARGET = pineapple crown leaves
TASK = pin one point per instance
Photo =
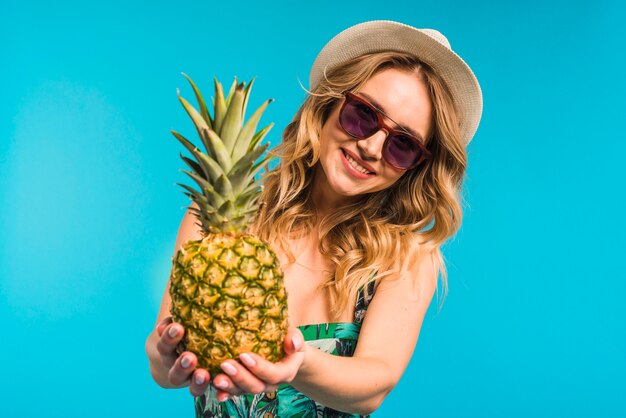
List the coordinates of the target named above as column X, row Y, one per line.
column 225, row 170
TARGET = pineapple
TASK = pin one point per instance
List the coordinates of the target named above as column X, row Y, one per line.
column 227, row 288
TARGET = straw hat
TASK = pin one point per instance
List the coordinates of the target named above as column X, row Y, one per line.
column 428, row 45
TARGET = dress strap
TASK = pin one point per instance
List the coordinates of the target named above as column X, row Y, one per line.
column 366, row 293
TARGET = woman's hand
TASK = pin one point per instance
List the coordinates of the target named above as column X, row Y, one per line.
column 182, row 369
column 253, row 374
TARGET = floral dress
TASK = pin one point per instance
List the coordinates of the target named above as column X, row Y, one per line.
column 337, row 338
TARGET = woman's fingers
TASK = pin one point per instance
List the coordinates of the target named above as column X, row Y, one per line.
column 170, row 337
column 273, row 373
column 242, row 378
column 257, row 376
column 199, row 382
column 225, row 385
column 182, row 369
column 294, row 341
column 163, row 324
column 180, row 372
column 283, row 371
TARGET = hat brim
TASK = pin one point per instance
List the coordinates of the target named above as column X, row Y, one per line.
column 385, row 35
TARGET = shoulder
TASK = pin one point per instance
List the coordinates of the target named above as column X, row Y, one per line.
column 189, row 228
column 416, row 275
column 406, row 292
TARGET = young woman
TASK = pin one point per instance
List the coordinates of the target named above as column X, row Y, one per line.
column 366, row 192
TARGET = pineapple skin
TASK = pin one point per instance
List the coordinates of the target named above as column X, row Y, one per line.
column 227, row 291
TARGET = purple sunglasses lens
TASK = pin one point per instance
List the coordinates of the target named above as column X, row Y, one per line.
column 359, row 120
column 401, row 151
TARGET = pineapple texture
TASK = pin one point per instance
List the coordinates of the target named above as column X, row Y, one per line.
column 227, row 291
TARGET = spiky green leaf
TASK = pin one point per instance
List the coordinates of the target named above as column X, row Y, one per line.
column 247, row 133
column 218, row 149
column 197, row 119
column 204, row 185
column 210, row 168
column 193, row 165
column 246, row 162
column 258, row 137
column 245, row 178
column 192, row 149
column 244, row 171
column 224, row 188
column 226, row 209
column 238, row 181
column 233, row 119
column 257, row 185
column 194, row 195
column 246, row 96
column 219, row 106
column 214, row 197
column 212, row 143
column 261, row 164
column 201, row 103
column 231, row 91
column 244, row 200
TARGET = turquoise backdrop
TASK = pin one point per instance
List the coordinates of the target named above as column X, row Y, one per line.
column 535, row 321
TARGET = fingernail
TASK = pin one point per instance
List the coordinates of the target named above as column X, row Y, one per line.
column 229, row 369
column 173, row 331
column 297, row 344
column 185, row 362
column 199, row 380
column 221, row 384
column 247, row 360
column 224, row 398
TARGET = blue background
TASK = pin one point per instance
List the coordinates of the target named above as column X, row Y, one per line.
column 534, row 323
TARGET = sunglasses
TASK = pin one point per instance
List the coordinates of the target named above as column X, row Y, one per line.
column 360, row 119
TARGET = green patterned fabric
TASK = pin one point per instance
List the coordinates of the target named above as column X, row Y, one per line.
column 337, row 338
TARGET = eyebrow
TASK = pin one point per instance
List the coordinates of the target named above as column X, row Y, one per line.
column 382, row 110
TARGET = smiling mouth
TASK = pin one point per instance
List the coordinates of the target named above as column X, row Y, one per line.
column 354, row 164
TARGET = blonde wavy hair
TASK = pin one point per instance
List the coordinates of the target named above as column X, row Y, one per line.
column 363, row 239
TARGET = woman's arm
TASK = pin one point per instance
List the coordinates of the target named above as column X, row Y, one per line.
column 386, row 343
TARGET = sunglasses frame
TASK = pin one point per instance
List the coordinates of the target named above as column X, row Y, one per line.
column 348, row 97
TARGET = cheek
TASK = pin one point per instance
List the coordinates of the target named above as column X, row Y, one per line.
column 323, row 147
column 390, row 177
column 391, row 173
column 329, row 141
column 331, row 133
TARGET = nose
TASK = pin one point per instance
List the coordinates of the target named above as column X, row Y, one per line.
column 371, row 148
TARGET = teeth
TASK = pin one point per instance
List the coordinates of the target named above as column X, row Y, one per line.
column 356, row 165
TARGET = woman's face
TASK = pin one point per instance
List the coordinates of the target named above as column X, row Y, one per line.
column 351, row 167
